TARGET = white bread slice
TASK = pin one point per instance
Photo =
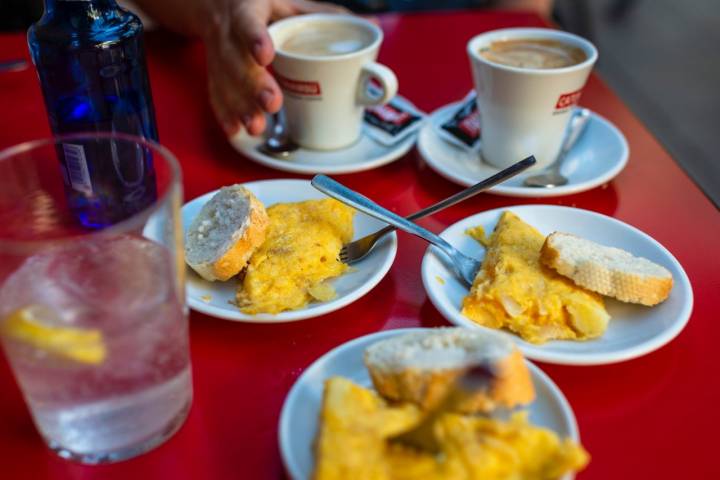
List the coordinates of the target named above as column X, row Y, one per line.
column 607, row 270
column 225, row 233
column 421, row 367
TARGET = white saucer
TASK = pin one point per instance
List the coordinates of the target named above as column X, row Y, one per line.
column 299, row 416
column 600, row 154
column 365, row 154
column 633, row 331
column 213, row 298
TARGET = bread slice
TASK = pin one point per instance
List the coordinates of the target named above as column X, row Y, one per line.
column 421, row 367
column 225, row 233
column 607, row 270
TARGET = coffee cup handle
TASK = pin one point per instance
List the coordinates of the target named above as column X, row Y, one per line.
column 386, row 78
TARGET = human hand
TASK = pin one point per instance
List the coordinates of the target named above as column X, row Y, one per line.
column 239, row 49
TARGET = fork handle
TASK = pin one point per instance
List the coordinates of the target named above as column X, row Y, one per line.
column 489, row 182
column 340, row 192
column 479, row 187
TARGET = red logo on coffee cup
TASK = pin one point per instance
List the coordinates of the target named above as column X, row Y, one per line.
column 299, row 87
column 567, row 100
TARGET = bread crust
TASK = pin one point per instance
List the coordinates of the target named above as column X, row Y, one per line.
column 238, row 255
column 426, row 387
column 251, row 236
column 647, row 290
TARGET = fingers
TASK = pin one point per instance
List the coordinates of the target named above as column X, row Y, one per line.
column 262, row 49
column 229, row 123
column 286, row 8
column 308, row 6
column 255, row 124
column 269, row 96
column 249, row 30
column 240, row 90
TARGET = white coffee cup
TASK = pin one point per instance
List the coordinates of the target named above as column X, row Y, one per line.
column 325, row 90
column 525, row 111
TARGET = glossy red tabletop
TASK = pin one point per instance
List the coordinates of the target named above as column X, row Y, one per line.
column 653, row 417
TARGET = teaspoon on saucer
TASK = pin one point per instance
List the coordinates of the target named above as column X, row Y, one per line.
column 551, row 176
column 278, row 144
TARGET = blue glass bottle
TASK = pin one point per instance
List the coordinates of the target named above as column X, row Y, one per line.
column 90, row 59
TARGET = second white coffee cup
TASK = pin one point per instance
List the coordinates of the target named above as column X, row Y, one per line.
column 323, row 63
column 525, row 111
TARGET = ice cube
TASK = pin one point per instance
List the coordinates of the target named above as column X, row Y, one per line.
column 122, row 275
column 32, row 285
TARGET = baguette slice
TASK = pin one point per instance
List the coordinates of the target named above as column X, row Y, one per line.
column 420, row 367
column 607, row 270
column 225, row 233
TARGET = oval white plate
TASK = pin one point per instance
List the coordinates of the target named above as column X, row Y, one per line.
column 349, row 287
column 365, row 154
column 299, row 416
column 598, row 157
column 634, row 330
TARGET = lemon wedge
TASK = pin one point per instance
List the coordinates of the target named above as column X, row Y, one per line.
column 78, row 344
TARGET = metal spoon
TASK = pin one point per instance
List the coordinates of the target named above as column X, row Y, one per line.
column 278, row 144
column 551, row 176
column 13, row 65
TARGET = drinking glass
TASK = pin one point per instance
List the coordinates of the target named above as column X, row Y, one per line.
column 93, row 321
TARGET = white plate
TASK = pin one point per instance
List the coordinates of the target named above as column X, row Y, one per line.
column 634, row 330
column 365, row 154
column 349, row 287
column 600, row 154
column 299, row 416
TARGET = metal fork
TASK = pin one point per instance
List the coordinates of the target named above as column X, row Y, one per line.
column 357, row 250
column 464, row 266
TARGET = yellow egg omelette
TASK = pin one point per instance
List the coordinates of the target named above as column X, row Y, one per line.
column 514, row 291
column 299, row 255
column 357, row 426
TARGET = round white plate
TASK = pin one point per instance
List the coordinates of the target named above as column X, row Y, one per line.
column 634, row 330
column 599, row 155
column 213, row 298
column 299, row 416
column 365, row 154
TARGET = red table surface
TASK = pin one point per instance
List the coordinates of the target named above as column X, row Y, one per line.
column 653, row 417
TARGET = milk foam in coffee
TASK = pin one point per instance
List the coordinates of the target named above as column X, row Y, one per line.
column 327, row 39
column 533, row 53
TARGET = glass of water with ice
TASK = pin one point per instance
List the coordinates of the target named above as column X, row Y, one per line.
column 93, row 321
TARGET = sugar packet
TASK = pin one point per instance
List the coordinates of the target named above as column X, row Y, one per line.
column 393, row 122
column 463, row 127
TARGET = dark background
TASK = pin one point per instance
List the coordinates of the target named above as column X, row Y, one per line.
column 660, row 56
